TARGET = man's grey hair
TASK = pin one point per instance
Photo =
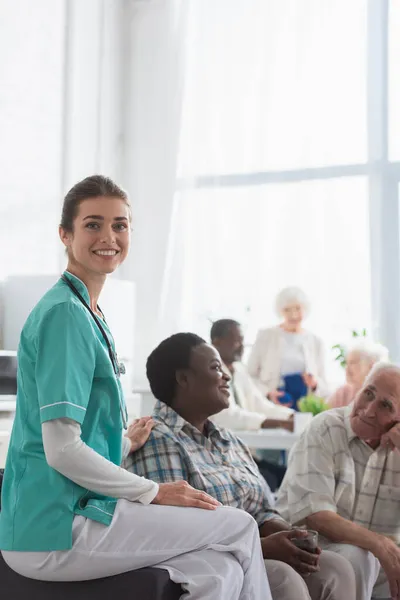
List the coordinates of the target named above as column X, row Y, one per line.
column 369, row 350
column 382, row 367
column 291, row 295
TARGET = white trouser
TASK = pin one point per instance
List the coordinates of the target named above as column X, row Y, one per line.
column 212, row 554
column 370, row 580
column 335, row 580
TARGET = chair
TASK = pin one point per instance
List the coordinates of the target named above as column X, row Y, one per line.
column 142, row 584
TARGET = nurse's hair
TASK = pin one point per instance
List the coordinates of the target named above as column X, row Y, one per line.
column 165, row 360
column 94, row 186
column 291, row 295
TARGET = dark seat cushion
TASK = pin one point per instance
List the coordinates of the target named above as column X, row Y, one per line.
column 142, row 584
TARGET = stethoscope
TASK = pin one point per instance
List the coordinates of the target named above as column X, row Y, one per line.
column 119, row 368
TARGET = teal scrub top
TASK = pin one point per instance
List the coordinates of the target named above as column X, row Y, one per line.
column 64, row 370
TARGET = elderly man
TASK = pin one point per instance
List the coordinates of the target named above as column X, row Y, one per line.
column 186, row 377
column 248, row 407
column 343, row 480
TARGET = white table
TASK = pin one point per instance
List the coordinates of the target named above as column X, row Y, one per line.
column 269, row 439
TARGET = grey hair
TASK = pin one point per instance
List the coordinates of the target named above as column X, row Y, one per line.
column 381, row 367
column 369, row 350
column 291, row 295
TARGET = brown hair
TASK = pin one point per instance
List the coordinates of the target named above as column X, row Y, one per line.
column 90, row 187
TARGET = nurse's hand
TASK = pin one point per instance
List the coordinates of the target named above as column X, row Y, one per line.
column 180, row 493
column 139, row 431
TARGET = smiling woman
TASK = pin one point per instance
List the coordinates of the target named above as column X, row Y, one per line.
column 96, row 243
column 71, row 410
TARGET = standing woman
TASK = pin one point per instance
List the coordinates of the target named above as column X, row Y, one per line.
column 69, row 512
column 287, row 360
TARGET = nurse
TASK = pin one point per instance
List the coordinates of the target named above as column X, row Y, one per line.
column 69, row 512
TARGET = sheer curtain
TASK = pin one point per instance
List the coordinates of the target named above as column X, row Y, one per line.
column 274, row 85
column 156, row 47
column 273, row 91
column 31, row 103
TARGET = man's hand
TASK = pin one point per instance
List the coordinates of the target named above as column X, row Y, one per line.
column 287, row 424
column 138, row 432
column 391, row 439
column 388, row 555
column 279, row 546
column 180, row 493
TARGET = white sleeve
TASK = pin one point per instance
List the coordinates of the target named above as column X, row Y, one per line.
column 322, row 385
column 254, row 363
column 126, row 448
column 237, row 418
column 69, row 455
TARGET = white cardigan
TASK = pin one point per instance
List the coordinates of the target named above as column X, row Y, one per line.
column 253, row 407
column 264, row 363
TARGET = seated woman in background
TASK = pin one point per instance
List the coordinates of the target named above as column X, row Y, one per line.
column 360, row 358
column 286, row 360
column 187, row 378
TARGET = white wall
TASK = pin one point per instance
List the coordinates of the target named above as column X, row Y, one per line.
column 153, row 55
column 61, row 97
column 60, row 117
column 32, row 40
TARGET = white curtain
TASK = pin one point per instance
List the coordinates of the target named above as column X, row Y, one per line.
column 32, row 39
column 155, row 74
column 60, row 118
column 271, row 87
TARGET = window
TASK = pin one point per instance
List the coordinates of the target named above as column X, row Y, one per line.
column 276, row 186
column 244, row 244
column 31, row 103
column 394, row 80
column 274, row 85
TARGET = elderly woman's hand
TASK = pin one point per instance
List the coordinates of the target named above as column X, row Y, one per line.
column 139, row 431
column 310, row 381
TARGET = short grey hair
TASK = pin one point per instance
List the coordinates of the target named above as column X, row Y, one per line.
column 291, row 295
column 369, row 350
column 381, row 367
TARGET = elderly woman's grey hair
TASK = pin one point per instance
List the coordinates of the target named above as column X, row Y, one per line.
column 369, row 350
column 382, row 367
column 289, row 296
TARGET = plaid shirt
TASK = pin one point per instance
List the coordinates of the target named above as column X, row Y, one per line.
column 219, row 464
column 330, row 468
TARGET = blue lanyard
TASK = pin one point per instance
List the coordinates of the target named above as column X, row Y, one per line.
column 119, row 368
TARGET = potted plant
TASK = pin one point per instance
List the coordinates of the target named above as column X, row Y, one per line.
column 312, row 404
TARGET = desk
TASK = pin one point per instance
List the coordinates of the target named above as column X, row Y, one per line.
column 7, row 403
column 269, row 439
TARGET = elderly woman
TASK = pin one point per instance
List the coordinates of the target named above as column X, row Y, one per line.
column 186, row 376
column 287, row 360
column 360, row 358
